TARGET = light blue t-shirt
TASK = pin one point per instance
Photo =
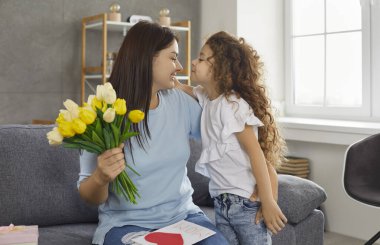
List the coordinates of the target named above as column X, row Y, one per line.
column 164, row 187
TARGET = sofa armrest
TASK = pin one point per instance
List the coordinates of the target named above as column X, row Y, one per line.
column 298, row 197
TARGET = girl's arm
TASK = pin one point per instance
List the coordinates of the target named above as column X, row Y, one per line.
column 273, row 182
column 185, row 88
column 273, row 216
column 111, row 163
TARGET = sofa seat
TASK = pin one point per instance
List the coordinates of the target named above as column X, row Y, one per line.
column 38, row 187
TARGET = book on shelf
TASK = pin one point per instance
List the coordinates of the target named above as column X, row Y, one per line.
column 19, row 235
column 180, row 233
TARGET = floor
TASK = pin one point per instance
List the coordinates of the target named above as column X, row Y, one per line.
column 337, row 239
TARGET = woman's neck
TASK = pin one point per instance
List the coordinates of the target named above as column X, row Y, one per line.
column 154, row 101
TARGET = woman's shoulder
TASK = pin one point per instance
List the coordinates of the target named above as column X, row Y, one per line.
column 178, row 97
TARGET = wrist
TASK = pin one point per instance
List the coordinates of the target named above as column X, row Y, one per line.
column 100, row 179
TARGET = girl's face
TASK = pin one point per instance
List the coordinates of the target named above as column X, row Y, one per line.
column 201, row 68
column 165, row 67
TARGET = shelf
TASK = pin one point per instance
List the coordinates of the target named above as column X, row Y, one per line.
column 99, row 76
column 123, row 26
column 92, row 75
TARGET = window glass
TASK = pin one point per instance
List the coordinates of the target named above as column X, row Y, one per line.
column 309, row 70
column 308, row 16
column 344, row 69
column 343, row 15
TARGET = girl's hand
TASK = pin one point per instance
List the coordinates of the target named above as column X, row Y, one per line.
column 274, row 219
column 110, row 164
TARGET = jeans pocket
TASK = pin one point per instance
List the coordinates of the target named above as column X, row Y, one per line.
column 248, row 204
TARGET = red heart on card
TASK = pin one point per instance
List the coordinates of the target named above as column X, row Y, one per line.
column 162, row 238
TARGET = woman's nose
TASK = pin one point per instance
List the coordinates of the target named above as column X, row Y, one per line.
column 179, row 66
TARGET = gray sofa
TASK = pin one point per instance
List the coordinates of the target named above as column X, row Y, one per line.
column 38, row 187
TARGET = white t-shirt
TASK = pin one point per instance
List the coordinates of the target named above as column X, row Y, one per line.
column 222, row 158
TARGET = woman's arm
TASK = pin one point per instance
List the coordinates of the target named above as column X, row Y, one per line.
column 273, row 216
column 111, row 163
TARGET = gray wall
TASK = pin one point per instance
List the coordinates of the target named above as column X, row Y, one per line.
column 40, row 49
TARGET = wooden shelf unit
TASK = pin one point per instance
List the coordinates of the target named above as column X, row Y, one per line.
column 99, row 22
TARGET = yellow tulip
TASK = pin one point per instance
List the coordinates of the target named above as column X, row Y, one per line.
column 109, row 115
column 54, row 137
column 120, row 107
column 66, row 129
column 66, row 115
column 105, row 106
column 78, row 126
column 95, row 103
column 86, row 115
column 136, row 116
column 60, row 118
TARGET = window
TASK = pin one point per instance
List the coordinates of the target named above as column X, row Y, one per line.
column 328, row 59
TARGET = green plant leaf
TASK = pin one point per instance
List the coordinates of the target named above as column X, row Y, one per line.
column 98, row 140
column 106, row 139
column 116, row 134
column 98, row 129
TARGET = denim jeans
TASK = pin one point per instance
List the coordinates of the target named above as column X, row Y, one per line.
column 123, row 235
column 235, row 218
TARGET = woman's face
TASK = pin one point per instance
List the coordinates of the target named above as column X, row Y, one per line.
column 165, row 67
column 201, row 68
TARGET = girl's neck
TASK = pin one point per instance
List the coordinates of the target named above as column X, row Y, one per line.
column 212, row 93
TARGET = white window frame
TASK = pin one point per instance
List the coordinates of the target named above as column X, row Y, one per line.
column 370, row 110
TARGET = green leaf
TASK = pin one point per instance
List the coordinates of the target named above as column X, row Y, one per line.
column 106, row 139
column 134, row 171
column 98, row 140
column 98, row 129
column 91, row 145
column 116, row 134
column 80, row 146
column 112, row 140
column 85, row 137
column 128, row 135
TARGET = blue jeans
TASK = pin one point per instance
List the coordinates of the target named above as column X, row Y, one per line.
column 235, row 218
column 122, row 235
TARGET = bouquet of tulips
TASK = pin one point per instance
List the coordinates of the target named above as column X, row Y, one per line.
column 99, row 125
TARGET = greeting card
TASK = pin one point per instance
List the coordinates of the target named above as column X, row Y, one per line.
column 180, row 233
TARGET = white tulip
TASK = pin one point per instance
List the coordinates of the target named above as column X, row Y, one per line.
column 90, row 98
column 72, row 107
column 54, row 137
column 108, row 86
column 109, row 96
column 99, row 92
column 109, row 115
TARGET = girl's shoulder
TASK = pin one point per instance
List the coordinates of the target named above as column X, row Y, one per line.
column 233, row 101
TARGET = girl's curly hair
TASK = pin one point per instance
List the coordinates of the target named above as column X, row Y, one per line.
column 238, row 69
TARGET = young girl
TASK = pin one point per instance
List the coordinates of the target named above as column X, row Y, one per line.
column 241, row 142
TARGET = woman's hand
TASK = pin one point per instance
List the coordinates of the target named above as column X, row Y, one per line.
column 110, row 164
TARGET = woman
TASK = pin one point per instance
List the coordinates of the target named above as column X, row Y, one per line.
column 144, row 75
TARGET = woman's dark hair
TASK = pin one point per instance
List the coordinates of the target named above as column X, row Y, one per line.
column 132, row 73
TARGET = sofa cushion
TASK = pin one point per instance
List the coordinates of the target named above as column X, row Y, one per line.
column 38, row 181
column 298, row 197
